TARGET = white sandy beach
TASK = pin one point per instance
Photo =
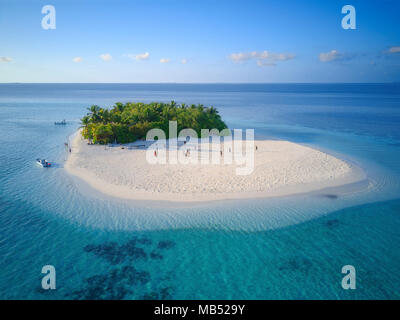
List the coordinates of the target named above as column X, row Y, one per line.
column 280, row 168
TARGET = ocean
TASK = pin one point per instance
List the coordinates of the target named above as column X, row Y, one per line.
column 281, row 248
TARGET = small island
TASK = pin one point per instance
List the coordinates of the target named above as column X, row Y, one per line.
column 125, row 123
column 280, row 168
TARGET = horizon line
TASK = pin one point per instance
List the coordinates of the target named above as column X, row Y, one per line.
column 199, row 83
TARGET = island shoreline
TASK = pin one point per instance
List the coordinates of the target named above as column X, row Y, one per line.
column 354, row 176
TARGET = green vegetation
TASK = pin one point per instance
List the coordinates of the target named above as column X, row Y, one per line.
column 129, row 122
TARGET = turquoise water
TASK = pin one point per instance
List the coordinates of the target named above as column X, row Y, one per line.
column 286, row 248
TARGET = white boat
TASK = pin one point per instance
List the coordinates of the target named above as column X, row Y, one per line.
column 43, row 162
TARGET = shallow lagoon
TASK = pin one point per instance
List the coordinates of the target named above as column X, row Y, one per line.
column 281, row 248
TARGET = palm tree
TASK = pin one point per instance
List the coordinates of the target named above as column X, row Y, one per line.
column 94, row 113
column 85, row 121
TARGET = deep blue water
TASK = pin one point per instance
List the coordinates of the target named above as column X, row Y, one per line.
column 286, row 248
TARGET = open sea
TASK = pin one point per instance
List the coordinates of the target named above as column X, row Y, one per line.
column 280, row 248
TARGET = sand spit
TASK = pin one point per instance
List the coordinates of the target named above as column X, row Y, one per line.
column 280, row 168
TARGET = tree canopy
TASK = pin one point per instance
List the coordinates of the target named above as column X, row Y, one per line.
column 129, row 122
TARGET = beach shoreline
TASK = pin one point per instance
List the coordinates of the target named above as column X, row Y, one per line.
column 282, row 168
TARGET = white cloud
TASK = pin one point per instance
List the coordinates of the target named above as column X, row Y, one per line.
column 330, row 56
column 242, row 56
column 264, row 58
column 140, row 56
column 262, row 63
column 265, row 55
column 143, row 56
column 335, row 55
column 165, row 60
column 106, row 56
column 77, row 59
column 394, row 49
column 5, row 59
column 184, row 61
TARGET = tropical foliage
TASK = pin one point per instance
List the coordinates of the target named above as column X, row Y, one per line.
column 129, row 122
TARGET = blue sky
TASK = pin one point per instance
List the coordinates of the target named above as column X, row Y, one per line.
column 199, row 41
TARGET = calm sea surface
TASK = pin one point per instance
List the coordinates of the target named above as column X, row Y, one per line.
column 286, row 248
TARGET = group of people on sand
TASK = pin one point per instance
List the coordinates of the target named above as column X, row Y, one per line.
column 231, row 150
column 187, row 152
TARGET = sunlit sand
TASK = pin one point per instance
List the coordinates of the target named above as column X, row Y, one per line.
column 280, row 168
